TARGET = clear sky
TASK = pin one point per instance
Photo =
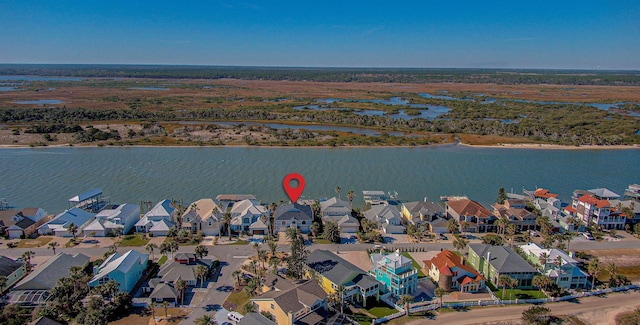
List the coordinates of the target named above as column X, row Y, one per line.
column 347, row 33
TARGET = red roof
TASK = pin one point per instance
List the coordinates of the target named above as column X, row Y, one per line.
column 594, row 201
column 467, row 279
column 544, row 193
column 466, row 207
column 570, row 209
column 445, row 260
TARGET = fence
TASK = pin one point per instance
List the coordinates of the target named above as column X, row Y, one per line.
column 433, row 306
column 387, row 318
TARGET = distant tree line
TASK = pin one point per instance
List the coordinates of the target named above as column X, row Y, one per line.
column 399, row 75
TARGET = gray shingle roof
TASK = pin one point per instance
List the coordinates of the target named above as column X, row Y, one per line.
column 337, row 270
column 47, row 275
column 296, row 298
column 164, row 291
column 503, row 259
column 255, row 319
column 172, row 270
column 8, row 266
column 293, row 211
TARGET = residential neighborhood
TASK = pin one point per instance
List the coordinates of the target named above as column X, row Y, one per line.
column 172, row 255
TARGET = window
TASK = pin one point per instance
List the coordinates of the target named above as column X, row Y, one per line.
column 103, row 280
column 272, row 306
column 284, row 223
column 304, row 222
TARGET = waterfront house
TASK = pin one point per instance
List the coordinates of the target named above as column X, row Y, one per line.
column 514, row 211
column 8, row 218
column 225, row 201
column 471, row 214
column 113, row 218
column 604, row 194
column 451, row 273
column 33, row 289
column 374, row 197
column 58, row 226
column 420, row 212
column 494, row 261
column 158, row 220
column 293, row 215
column 126, row 269
column 22, row 224
column 387, row 217
column 558, row 266
column 634, row 205
column 289, row 303
column 12, row 271
column 245, row 213
column 593, row 209
column 203, row 215
column 19, row 229
column 334, row 271
column 543, row 193
column 632, row 192
column 334, row 209
column 395, row 272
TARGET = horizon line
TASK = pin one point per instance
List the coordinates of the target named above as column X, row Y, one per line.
column 319, row 67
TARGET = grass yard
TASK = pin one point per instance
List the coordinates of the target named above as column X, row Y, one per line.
column 519, row 294
column 322, row 241
column 162, row 260
column 31, row 243
column 415, row 264
column 236, row 300
column 239, row 242
column 133, row 241
column 382, row 311
column 362, row 319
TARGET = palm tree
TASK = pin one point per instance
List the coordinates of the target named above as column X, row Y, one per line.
column 236, row 278
column 226, row 219
column 315, row 229
column 201, row 251
column 538, row 281
column 594, row 268
column 514, row 283
column 262, row 256
column 504, row 280
column 273, row 247
column 511, row 231
column 291, row 233
column 165, row 305
column 350, row 195
column 460, row 243
column 181, row 286
column 338, row 191
column 151, row 247
column 440, row 292
column 253, row 265
column 204, row 320
column 73, row 229
column 3, row 281
column 173, row 246
column 165, row 248
column 26, row 256
column 452, row 225
column 558, row 262
column 273, row 263
column 52, row 245
column 406, row 300
column 341, row 290
column 543, row 258
column 613, row 271
column 331, row 232
column 201, row 272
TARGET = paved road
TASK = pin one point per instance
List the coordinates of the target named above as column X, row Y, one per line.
column 591, row 310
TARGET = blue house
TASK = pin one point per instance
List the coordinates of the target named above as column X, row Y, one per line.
column 396, row 272
column 125, row 269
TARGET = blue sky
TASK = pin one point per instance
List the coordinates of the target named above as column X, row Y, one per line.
column 485, row 34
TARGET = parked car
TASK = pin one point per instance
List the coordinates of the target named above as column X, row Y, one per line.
column 533, row 233
column 587, row 235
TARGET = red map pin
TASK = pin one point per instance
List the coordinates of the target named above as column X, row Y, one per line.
column 293, row 192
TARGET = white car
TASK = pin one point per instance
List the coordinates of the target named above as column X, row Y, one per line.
column 587, row 236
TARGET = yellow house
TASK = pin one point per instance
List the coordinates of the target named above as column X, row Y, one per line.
column 335, row 272
column 288, row 302
column 420, row 212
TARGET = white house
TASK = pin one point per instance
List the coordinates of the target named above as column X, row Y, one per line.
column 158, row 220
column 203, row 215
column 113, row 217
column 59, row 224
column 293, row 215
column 244, row 213
column 559, row 266
column 388, row 218
column 339, row 211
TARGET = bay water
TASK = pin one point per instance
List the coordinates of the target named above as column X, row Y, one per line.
column 48, row 177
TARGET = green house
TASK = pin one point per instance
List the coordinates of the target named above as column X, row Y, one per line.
column 494, row 261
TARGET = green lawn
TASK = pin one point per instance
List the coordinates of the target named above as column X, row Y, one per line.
column 519, row 294
column 162, row 260
column 133, row 241
column 322, row 241
column 239, row 299
column 31, row 243
column 382, row 311
column 239, row 242
column 415, row 264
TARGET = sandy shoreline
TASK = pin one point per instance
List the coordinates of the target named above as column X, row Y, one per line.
column 500, row 145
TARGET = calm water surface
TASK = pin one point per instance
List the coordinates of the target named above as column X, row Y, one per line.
column 47, row 177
